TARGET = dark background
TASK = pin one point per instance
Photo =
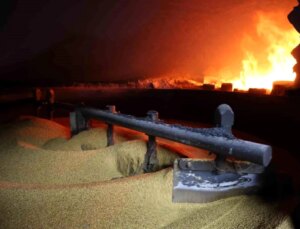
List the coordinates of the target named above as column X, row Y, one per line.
column 62, row 41
column 59, row 42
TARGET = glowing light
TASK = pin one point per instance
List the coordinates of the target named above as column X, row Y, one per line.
column 276, row 65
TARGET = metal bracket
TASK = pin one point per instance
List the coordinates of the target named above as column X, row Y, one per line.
column 224, row 118
column 110, row 127
column 78, row 122
column 151, row 162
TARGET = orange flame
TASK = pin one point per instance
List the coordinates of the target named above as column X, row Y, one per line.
column 273, row 62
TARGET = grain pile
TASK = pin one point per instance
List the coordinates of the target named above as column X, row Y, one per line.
column 50, row 181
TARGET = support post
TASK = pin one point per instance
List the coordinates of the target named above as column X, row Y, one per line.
column 151, row 162
column 224, row 118
column 50, row 97
column 110, row 127
column 77, row 122
column 38, row 97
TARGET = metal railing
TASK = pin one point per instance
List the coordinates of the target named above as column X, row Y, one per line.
column 218, row 140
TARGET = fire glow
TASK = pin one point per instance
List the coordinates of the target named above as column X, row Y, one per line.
column 277, row 63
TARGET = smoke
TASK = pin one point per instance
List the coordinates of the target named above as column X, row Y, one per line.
column 68, row 40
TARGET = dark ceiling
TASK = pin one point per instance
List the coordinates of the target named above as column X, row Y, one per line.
column 112, row 40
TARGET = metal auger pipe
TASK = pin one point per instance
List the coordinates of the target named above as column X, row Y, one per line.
column 218, row 140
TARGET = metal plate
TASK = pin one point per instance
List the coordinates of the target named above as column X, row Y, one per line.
column 191, row 186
